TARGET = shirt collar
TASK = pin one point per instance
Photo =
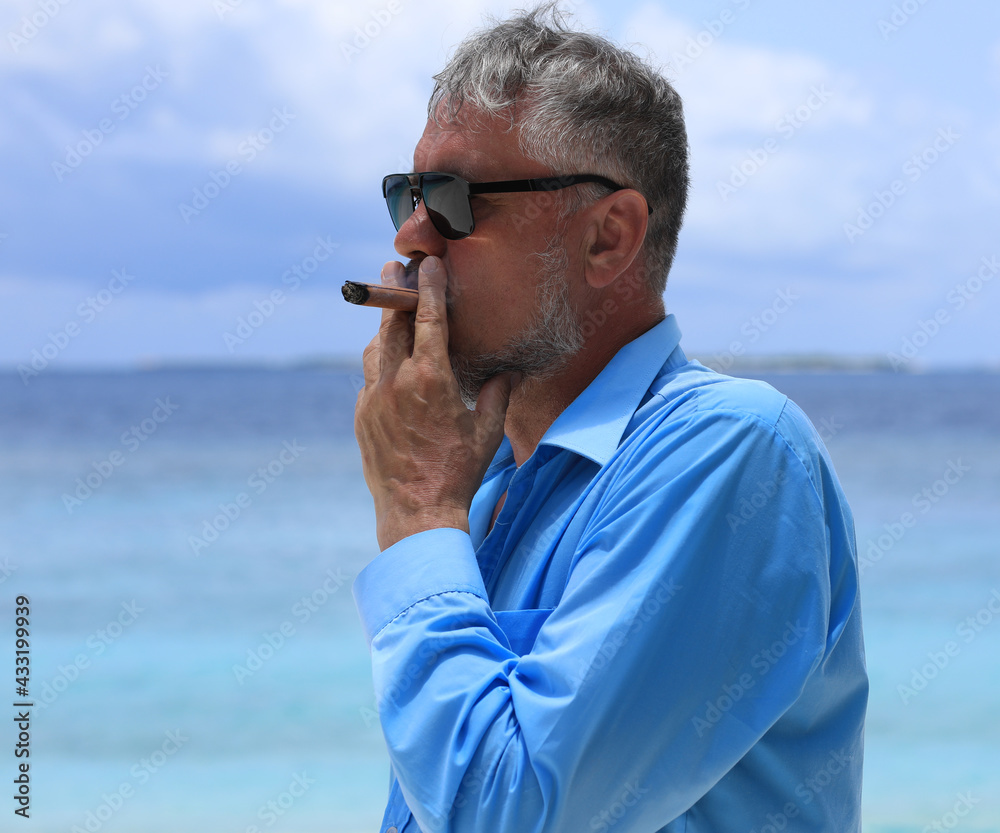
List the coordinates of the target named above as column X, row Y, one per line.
column 595, row 421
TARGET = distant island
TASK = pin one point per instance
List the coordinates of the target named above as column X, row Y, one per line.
column 800, row 363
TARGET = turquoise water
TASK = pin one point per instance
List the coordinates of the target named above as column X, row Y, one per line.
column 196, row 653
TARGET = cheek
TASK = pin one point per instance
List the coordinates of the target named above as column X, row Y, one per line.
column 478, row 322
column 490, row 297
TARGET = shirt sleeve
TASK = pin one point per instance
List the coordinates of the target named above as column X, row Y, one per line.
column 697, row 608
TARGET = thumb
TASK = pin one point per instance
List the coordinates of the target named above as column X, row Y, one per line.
column 491, row 407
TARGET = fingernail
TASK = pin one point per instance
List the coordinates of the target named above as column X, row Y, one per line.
column 430, row 264
column 392, row 272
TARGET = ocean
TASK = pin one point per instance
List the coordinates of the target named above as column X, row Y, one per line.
column 185, row 541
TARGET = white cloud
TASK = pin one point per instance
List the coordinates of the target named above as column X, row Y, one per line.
column 359, row 114
column 760, row 123
column 730, row 87
column 357, row 76
column 355, row 73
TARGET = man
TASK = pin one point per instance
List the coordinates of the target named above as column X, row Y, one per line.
column 620, row 593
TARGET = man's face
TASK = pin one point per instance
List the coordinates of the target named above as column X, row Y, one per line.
column 510, row 305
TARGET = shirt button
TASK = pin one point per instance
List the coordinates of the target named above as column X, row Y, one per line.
column 391, row 830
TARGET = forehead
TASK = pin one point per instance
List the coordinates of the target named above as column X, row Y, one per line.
column 475, row 146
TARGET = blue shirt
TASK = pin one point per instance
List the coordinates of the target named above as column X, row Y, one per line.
column 662, row 630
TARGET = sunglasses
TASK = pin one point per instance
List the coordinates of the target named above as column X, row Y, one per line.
column 447, row 197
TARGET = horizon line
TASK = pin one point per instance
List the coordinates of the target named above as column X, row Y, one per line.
column 806, row 362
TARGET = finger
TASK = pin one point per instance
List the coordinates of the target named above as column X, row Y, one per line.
column 392, row 273
column 491, row 408
column 430, row 332
column 396, row 329
column 371, row 361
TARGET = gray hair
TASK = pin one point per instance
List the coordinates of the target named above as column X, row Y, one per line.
column 585, row 106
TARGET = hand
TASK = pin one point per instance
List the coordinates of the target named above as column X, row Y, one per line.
column 424, row 453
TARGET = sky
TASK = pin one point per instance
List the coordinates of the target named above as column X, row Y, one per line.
column 191, row 181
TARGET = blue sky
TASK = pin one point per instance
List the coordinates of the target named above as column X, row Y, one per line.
column 846, row 173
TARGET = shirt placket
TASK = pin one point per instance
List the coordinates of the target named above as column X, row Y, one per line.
column 397, row 815
column 503, row 538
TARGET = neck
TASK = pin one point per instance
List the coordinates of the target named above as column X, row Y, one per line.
column 536, row 402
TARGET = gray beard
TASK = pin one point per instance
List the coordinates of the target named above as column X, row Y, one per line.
column 543, row 348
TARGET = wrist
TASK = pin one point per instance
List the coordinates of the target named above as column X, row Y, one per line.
column 395, row 526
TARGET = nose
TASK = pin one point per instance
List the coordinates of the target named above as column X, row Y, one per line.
column 417, row 238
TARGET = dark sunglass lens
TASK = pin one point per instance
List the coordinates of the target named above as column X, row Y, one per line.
column 447, row 201
column 399, row 198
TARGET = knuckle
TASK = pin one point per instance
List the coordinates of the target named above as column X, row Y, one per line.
column 427, row 315
column 395, row 351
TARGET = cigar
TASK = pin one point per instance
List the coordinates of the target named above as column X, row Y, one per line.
column 377, row 295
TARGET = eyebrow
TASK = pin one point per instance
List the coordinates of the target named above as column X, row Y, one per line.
column 460, row 170
column 451, row 167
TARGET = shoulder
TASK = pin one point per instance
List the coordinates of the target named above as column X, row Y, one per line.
column 693, row 393
column 695, row 416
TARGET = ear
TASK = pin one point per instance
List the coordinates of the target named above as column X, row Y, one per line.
column 615, row 231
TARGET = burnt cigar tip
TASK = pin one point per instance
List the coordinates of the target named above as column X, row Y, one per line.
column 354, row 293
